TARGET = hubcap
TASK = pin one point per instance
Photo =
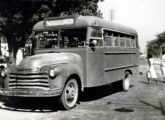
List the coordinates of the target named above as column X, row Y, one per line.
column 71, row 93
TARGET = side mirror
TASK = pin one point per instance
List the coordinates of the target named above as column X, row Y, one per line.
column 93, row 43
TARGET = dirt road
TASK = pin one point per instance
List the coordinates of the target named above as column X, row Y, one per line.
column 142, row 102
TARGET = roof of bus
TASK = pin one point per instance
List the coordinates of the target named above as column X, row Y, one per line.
column 85, row 21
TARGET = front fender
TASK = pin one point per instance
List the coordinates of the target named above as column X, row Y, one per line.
column 63, row 72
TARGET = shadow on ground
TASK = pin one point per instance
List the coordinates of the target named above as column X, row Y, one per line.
column 95, row 93
column 52, row 105
column 152, row 82
column 160, row 107
column 30, row 104
column 124, row 110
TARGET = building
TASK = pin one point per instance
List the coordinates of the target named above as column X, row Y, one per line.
column 4, row 48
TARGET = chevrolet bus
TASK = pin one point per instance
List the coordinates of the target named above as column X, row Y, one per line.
column 71, row 53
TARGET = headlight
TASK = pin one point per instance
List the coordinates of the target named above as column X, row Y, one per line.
column 52, row 73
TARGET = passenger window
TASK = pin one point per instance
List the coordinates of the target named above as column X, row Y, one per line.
column 117, row 41
column 108, row 41
column 133, row 43
column 128, row 42
column 122, row 42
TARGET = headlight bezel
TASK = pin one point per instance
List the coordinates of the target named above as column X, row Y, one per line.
column 51, row 70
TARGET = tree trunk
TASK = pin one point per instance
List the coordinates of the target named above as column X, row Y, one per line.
column 11, row 58
column 0, row 46
column 13, row 48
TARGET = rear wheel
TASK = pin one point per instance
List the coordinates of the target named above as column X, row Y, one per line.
column 126, row 81
column 69, row 95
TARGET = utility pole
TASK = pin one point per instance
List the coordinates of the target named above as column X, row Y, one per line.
column 112, row 14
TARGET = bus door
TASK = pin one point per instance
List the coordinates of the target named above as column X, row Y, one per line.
column 95, row 65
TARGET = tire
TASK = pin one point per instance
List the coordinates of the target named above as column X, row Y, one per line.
column 70, row 94
column 126, row 81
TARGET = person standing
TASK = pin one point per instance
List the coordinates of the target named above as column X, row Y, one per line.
column 151, row 73
column 19, row 56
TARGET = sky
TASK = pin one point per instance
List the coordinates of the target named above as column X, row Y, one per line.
column 147, row 17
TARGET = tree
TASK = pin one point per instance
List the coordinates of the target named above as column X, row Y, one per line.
column 16, row 20
column 18, row 16
column 153, row 47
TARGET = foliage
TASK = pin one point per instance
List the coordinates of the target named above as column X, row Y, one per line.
column 18, row 16
column 154, row 46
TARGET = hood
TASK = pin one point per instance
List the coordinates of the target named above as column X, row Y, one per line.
column 40, row 60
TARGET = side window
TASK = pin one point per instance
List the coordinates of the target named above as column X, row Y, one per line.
column 117, row 41
column 96, row 32
column 133, row 43
column 70, row 38
column 96, row 37
column 128, row 42
column 122, row 42
column 109, row 41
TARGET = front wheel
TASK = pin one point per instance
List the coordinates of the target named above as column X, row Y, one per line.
column 69, row 95
column 126, row 81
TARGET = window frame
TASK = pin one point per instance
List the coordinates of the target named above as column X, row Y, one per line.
column 121, row 35
column 112, row 40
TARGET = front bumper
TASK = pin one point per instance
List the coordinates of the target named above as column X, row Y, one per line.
column 30, row 92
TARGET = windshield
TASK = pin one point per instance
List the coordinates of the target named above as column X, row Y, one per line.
column 63, row 38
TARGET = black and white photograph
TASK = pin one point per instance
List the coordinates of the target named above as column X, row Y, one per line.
column 82, row 60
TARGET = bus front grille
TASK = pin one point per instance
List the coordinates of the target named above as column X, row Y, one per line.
column 28, row 81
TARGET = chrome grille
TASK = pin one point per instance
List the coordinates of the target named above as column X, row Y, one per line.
column 28, row 80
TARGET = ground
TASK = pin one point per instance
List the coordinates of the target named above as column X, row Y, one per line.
column 142, row 102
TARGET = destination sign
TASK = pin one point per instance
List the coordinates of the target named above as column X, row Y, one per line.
column 51, row 23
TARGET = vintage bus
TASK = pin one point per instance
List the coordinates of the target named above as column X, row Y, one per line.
column 70, row 54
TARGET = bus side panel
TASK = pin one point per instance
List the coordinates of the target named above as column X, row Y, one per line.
column 116, row 61
column 95, row 67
